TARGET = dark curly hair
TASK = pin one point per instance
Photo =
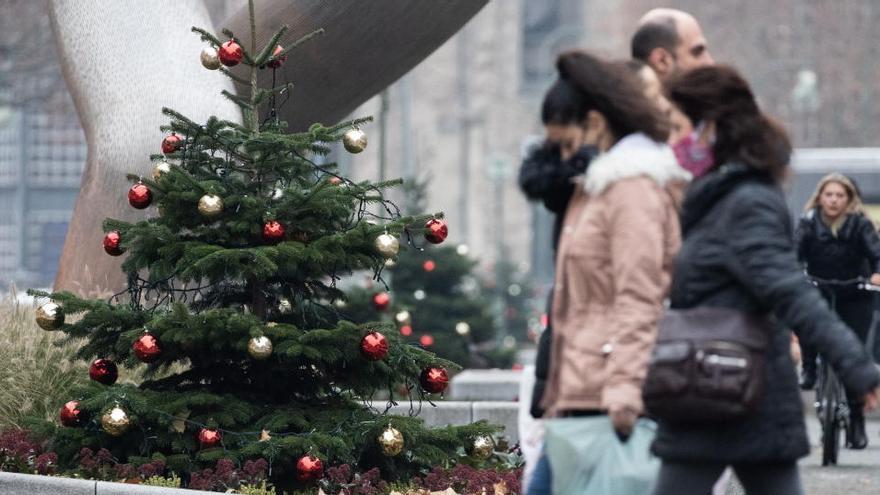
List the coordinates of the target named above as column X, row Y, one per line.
column 613, row 90
column 743, row 133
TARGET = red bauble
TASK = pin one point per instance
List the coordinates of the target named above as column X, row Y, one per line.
column 374, row 345
column 230, row 53
column 429, row 266
column 309, row 467
column 278, row 62
column 381, row 301
column 434, row 380
column 146, row 348
column 335, row 180
column 140, row 196
column 437, row 231
column 111, row 243
column 104, row 371
column 171, row 143
column 70, row 414
column 406, row 330
column 273, row 232
column 209, row 437
column 426, row 340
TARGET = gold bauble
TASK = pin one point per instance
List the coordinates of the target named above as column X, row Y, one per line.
column 387, row 245
column 161, row 168
column 265, row 436
column 210, row 205
column 260, row 347
column 209, row 57
column 115, row 421
column 340, row 303
column 462, row 328
column 284, row 306
column 354, row 141
column 403, row 318
column 50, row 316
column 483, row 447
column 391, row 441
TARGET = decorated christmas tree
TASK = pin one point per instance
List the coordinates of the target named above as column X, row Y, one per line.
column 435, row 299
column 232, row 302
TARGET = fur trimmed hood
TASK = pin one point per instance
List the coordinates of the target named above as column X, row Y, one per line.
column 632, row 156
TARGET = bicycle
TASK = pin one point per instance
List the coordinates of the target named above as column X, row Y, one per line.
column 831, row 406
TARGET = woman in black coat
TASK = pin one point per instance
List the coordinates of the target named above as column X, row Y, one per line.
column 738, row 252
column 836, row 241
column 546, row 175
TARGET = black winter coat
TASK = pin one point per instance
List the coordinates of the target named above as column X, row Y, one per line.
column 544, row 177
column 738, row 252
column 854, row 252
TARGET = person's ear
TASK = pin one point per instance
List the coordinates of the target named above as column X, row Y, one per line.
column 661, row 61
column 707, row 134
column 595, row 127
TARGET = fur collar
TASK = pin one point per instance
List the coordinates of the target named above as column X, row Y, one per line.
column 632, row 156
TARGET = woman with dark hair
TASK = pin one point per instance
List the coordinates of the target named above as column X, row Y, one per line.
column 613, row 265
column 546, row 175
column 738, row 254
column 836, row 241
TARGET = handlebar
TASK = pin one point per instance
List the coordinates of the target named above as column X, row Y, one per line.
column 860, row 283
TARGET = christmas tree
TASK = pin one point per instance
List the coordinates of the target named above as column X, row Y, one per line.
column 435, row 300
column 232, row 301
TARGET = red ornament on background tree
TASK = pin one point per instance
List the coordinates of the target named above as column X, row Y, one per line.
column 104, row 371
column 112, row 242
column 209, row 438
column 309, row 467
column 437, row 231
column 70, row 414
column 279, row 61
column 146, row 348
column 374, row 346
column 140, row 196
column 429, row 265
column 230, row 53
column 381, row 301
column 426, row 340
column 434, row 379
column 406, row 330
column 171, row 143
column 273, row 232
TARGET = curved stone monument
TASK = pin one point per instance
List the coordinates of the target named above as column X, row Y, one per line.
column 127, row 59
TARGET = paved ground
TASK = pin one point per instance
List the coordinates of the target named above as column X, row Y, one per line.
column 857, row 472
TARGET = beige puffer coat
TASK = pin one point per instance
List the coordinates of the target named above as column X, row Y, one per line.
column 613, row 272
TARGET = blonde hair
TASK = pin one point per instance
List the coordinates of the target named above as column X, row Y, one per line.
column 855, row 200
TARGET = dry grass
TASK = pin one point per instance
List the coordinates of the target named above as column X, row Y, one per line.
column 36, row 376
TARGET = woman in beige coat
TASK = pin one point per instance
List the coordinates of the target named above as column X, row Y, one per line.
column 620, row 234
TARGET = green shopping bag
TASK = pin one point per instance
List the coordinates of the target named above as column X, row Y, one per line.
column 587, row 458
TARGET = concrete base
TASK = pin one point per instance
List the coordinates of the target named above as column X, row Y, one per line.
column 485, row 385
column 465, row 412
column 29, row 484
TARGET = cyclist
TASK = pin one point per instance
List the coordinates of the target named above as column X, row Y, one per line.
column 837, row 241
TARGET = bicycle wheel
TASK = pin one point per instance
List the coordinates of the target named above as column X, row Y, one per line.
column 830, row 418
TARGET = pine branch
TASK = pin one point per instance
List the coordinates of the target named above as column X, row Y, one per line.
column 300, row 41
column 228, row 73
column 208, row 37
column 264, row 55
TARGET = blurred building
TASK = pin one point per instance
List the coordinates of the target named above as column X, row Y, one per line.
column 464, row 114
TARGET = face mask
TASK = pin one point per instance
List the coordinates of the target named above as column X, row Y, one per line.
column 694, row 156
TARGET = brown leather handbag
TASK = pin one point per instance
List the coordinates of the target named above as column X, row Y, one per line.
column 707, row 365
